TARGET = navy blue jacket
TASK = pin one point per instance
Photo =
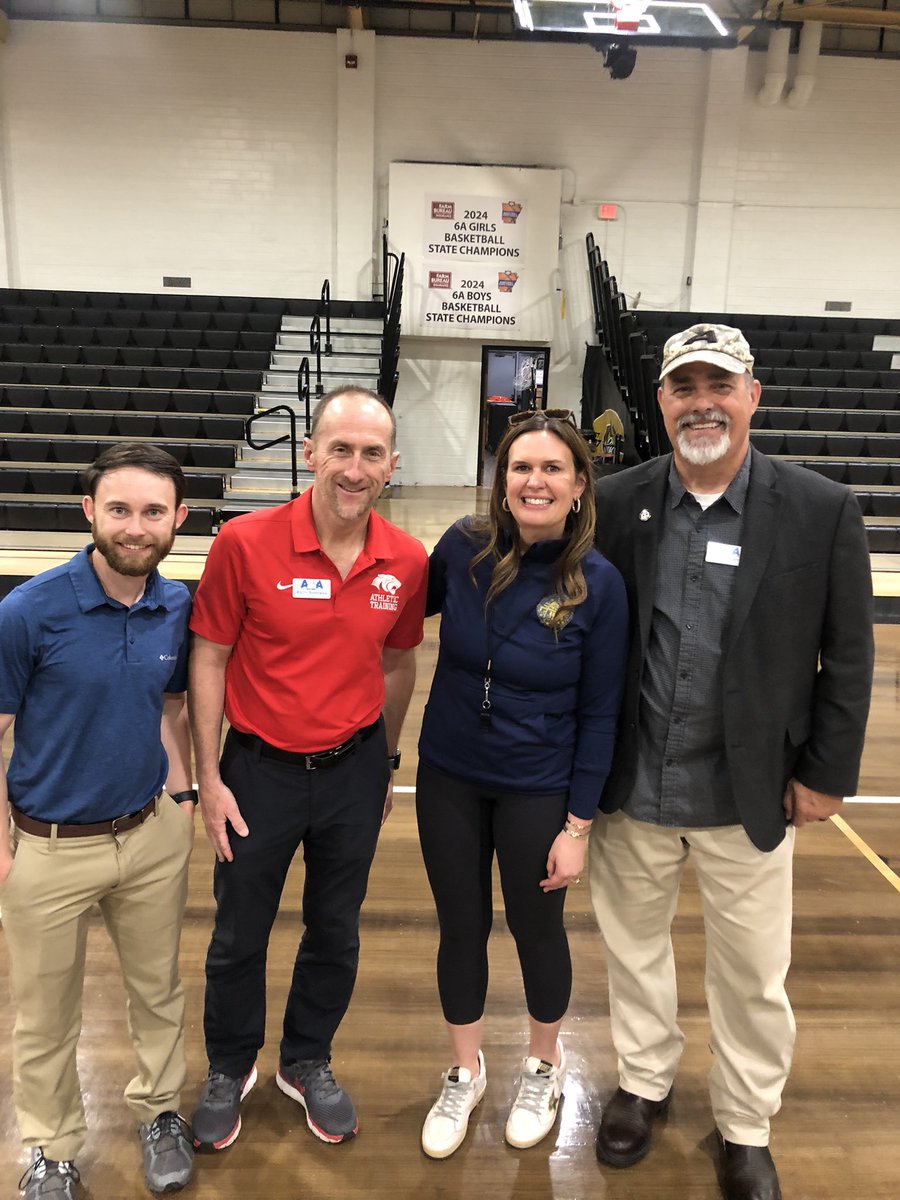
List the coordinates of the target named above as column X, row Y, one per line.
column 554, row 696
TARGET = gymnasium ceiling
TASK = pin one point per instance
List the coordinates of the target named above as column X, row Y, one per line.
column 869, row 28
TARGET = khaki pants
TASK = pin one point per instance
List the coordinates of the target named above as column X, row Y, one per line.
column 635, row 873
column 139, row 881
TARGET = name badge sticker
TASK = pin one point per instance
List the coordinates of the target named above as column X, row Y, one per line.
column 307, row 589
column 311, row 589
column 721, row 552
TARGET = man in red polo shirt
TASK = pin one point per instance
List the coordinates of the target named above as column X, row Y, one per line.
column 306, row 621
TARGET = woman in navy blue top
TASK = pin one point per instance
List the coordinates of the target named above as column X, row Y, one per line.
column 515, row 747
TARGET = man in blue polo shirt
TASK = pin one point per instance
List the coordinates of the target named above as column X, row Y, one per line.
column 93, row 662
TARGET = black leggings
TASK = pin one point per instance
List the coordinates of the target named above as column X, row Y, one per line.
column 460, row 827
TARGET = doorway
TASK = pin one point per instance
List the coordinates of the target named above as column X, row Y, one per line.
column 513, row 379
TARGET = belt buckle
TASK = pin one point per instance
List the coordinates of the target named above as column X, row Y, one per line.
column 325, row 758
column 113, row 826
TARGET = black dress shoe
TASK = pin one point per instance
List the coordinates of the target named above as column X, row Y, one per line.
column 626, row 1127
column 748, row 1173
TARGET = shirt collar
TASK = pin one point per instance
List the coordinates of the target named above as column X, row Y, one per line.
column 735, row 493
column 545, row 551
column 90, row 594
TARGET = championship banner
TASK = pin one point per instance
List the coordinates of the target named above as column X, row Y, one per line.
column 475, row 227
column 467, row 297
column 481, row 246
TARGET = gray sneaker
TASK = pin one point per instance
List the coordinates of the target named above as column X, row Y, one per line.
column 217, row 1118
column 47, row 1179
column 329, row 1110
column 168, row 1153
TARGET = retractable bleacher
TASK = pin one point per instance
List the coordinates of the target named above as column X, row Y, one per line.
column 83, row 370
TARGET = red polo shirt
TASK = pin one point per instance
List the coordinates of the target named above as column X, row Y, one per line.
column 305, row 672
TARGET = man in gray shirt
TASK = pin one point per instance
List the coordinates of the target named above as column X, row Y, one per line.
column 744, row 716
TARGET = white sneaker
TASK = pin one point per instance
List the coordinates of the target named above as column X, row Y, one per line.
column 534, row 1109
column 448, row 1119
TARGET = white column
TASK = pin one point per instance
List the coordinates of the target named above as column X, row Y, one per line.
column 5, row 211
column 719, row 152
column 354, row 166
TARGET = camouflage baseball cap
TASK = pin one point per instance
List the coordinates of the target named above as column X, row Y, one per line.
column 721, row 345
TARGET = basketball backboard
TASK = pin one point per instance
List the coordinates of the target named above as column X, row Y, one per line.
column 661, row 22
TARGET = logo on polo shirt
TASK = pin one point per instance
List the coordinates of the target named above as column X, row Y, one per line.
column 385, row 598
column 168, row 658
column 307, row 589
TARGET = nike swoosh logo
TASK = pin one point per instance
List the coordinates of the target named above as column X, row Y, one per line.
column 284, row 587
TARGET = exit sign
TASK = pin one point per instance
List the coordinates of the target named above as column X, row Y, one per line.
column 608, row 212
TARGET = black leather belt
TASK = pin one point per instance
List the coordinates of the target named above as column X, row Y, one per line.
column 321, row 759
column 118, row 825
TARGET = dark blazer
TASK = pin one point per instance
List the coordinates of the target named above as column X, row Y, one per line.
column 797, row 667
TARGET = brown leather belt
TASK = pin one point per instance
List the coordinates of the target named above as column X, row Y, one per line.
column 309, row 762
column 119, row 825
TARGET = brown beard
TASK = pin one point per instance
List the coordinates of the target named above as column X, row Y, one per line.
column 126, row 564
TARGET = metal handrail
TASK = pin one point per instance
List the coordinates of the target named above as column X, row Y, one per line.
column 303, row 392
column 278, row 409
column 387, row 256
column 325, row 311
column 390, row 343
column 315, row 346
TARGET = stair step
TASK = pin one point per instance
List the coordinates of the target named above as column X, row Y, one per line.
column 341, row 343
column 339, row 325
column 289, row 360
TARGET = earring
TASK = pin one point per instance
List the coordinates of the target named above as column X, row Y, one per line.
column 504, row 504
column 576, row 505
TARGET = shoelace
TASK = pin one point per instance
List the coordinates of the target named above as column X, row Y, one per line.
column 40, row 1169
column 321, row 1078
column 219, row 1088
column 169, row 1125
column 533, row 1092
column 453, row 1098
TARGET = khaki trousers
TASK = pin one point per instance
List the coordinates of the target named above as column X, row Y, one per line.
column 635, row 873
column 139, row 881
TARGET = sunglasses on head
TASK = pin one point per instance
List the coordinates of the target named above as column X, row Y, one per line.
column 559, row 414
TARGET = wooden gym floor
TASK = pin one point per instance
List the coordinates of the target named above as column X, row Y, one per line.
column 837, row 1133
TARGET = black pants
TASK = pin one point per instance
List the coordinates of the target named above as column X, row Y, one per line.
column 335, row 814
column 460, row 827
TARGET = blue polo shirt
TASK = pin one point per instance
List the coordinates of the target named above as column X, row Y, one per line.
column 85, row 677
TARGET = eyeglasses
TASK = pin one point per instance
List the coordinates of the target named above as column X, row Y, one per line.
column 558, row 414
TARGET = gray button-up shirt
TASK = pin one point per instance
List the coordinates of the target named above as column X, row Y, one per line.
column 682, row 777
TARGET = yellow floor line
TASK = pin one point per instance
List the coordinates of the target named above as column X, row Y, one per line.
column 867, row 852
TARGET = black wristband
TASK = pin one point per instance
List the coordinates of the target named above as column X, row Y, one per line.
column 188, row 794
column 394, row 760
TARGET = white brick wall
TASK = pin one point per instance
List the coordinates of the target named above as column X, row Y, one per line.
column 135, row 151
column 140, row 151
column 818, row 195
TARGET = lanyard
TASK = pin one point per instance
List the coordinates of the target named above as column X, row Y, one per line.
column 484, row 717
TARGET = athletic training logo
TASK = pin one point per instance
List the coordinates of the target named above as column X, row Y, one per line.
column 385, row 599
column 387, row 583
